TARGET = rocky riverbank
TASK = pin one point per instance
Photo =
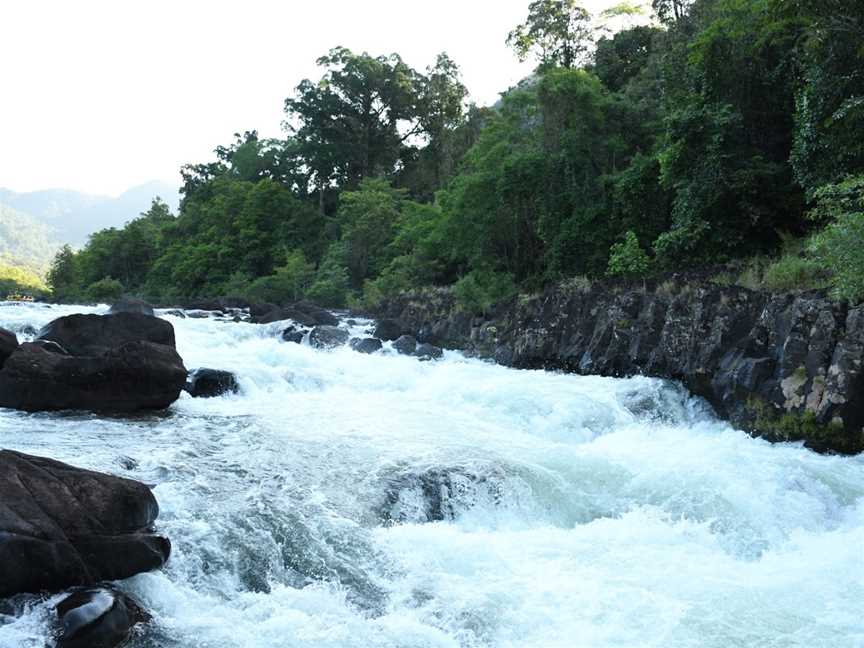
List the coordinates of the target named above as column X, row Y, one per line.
column 786, row 367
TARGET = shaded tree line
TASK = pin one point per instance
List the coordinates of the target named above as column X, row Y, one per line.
column 718, row 131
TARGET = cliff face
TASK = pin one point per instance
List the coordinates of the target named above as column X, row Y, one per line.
column 787, row 367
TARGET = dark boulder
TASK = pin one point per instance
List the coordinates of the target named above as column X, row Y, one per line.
column 293, row 334
column 84, row 335
column 62, row 526
column 389, row 329
column 8, row 344
column 301, row 318
column 131, row 305
column 97, row 618
column 366, row 345
column 208, row 383
column 428, row 351
column 328, row 337
column 259, row 310
column 319, row 315
column 134, row 376
column 275, row 315
column 405, row 344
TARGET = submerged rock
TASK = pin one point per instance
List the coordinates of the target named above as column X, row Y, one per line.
column 97, row 618
column 405, row 344
column 62, row 526
column 328, row 337
column 366, row 345
column 132, row 305
column 8, row 344
column 208, row 383
column 438, row 494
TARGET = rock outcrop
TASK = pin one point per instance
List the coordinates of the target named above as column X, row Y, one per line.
column 366, row 345
column 62, row 526
column 123, row 362
column 787, row 367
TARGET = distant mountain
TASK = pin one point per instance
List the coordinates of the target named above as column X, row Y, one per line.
column 25, row 242
column 72, row 216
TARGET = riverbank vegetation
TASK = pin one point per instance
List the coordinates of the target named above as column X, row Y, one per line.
column 722, row 130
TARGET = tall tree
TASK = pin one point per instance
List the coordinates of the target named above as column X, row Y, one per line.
column 556, row 33
column 353, row 123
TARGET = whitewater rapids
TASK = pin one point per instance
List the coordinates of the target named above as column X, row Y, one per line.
column 345, row 500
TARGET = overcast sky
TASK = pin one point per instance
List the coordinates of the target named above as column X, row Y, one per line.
column 99, row 96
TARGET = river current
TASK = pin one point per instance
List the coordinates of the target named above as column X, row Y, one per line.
column 349, row 500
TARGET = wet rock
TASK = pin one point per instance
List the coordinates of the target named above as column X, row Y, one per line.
column 389, row 330
column 131, row 305
column 209, row 383
column 259, row 310
column 132, row 377
column 304, row 319
column 8, row 344
column 48, row 345
column 62, row 526
column 83, row 335
column 366, row 345
column 428, row 351
column 318, row 314
column 328, row 337
column 97, row 618
column 439, row 494
column 405, row 344
column 176, row 313
column 202, row 314
column 293, row 334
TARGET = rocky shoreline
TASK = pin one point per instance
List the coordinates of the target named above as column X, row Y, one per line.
column 785, row 367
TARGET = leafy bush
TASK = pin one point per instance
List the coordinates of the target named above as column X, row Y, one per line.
column 794, row 272
column 104, row 290
column 479, row 290
column 627, row 259
column 840, row 246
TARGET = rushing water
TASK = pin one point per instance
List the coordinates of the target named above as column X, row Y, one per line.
column 350, row 500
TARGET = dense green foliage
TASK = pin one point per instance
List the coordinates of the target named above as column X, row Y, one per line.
column 720, row 132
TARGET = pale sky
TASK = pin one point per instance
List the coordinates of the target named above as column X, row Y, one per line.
column 101, row 95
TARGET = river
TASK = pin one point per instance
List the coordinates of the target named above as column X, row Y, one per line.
column 349, row 500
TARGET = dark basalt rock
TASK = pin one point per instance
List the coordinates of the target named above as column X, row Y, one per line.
column 131, row 305
column 48, row 345
column 320, row 315
column 405, row 344
column 135, row 376
column 293, row 334
column 366, row 345
column 83, row 335
column 62, row 526
column 786, row 367
column 428, row 351
column 97, row 618
column 209, row 383
column 8, row 344
column 389, row 330
column 259, row 310
column 328, row 337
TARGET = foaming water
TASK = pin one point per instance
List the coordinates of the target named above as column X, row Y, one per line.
column 346, row 500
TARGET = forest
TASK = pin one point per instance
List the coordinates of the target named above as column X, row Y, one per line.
column 722, row 135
